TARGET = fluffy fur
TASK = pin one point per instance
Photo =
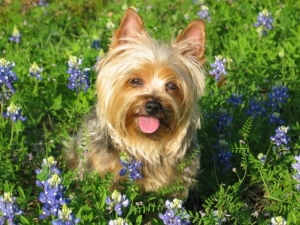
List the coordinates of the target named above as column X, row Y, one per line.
column 138, row 70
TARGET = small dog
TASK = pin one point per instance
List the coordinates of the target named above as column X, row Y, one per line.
column 147, row 107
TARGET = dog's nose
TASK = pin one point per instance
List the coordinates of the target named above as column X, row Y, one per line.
column 153, row 107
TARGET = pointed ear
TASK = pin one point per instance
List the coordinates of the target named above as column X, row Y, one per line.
column 194, row 36
column 131, row 26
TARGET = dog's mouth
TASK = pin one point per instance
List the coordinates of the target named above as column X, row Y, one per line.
column 148, row 124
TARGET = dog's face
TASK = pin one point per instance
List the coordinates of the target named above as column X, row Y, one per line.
column 147, row 90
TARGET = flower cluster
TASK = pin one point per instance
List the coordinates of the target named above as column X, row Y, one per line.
column 175, row 213
column 224, row 156
column 264, row 22
column 116, row 202
column 235, row 99
column 296, row 177
column 8, row 209
column 7, row 76
column 256, row 109
column 275, row 118
column 16, row 35
column 35, row 71
column 218, row 68
column 224, row 121
column 262, row 158
column 278, row 96
column 131, row 168
column 278, row 220
column 52, row 196
column 79, row 78
column 204, row 13
column 280, row 139
column 14, row 113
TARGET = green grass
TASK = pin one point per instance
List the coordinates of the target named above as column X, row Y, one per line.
column 238, row 189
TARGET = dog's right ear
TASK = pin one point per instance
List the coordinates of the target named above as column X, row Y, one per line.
column 131, row 26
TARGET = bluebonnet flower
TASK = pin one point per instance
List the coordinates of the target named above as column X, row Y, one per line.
column 14, row 113
column 52, row 196
column 42, row 3
column 280, row 139
column 8, row 209
column 223, row 157
column 296, row 177
column 275, row 118
column 7, row 76
column 96, row 44
column 79, row 78
column 16, row 35
column 175, row 213
column 278, row 220
column 65, row 217
column 218, row 68
column 131, row 168
column 264, row 22
column 35, row 71
column 255, row 109
column 224, row 121
column 116, row 202
column 278, row 96
column 118, row 221
column 235, row 99
column 204, row 13
column 262, row 158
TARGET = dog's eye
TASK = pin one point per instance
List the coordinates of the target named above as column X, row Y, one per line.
column 136, row 82
column 171, row 87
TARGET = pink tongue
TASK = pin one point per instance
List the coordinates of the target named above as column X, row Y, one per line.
column 148, row 124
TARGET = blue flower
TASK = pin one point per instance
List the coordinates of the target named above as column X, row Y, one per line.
column 255, row 109
column 223, row 157
column 204, row 13
column 96, row 44
column 224, row 121
column 14, row 113
column 280, row 139
column 175, row 213
column 262, row 158
column 52, row 196
column 7, row 76
column 235, row 99
column 296, row 177
column 9, row 209
column 275, row 118
column 218, row 68
column 16, row 35
column 35, row 71
column 130, row 167
column 264, row 22
column 79, row 78
column 117, row 202
column 278, row 96
column 65, row 217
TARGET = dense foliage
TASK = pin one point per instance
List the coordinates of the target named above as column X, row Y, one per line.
column 250, row 146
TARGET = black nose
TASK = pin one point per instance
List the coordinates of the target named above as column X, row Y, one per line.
column 153, row 107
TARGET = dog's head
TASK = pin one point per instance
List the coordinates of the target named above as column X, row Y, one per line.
column 149, row 91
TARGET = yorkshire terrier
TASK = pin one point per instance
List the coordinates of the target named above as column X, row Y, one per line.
column 147, row 107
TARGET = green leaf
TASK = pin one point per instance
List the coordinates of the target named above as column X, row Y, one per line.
column 24, row 220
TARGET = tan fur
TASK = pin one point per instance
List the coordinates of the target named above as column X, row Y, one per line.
column 112, row 127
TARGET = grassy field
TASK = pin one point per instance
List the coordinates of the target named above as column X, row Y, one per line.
column 250, row 145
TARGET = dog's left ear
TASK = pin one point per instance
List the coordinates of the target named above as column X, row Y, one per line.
column 131, row 26
column 194, row 35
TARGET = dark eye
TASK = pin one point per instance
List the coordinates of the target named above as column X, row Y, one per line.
column 137, row 82
column 171, row 87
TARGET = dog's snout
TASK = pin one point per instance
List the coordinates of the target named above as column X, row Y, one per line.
column 153, row 107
